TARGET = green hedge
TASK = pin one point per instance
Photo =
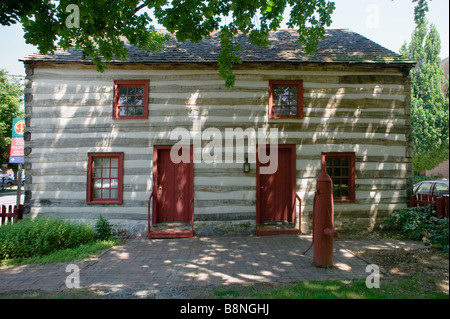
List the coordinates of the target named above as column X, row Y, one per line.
column 421, row 223
column 41, row 236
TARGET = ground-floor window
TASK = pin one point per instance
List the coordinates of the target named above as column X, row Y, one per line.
column 105, row 178
column 341, row 168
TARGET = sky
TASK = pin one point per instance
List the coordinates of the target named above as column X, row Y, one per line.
column 389, row 23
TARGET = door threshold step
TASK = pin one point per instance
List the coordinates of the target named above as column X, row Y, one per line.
column 280, row 231
column 171, row 225
column 276, row 228
column 170, row 233
column 171, row 230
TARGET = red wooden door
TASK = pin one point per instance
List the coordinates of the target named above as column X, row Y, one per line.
column 277, row 191
column 173, row 188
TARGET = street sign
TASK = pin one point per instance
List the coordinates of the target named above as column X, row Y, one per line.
column 16, row 160
column 17, row 147
column 17, row 143
column 18, row 127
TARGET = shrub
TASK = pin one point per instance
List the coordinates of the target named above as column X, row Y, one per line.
column 41, row 236
column 420, row 223
column 103, row 229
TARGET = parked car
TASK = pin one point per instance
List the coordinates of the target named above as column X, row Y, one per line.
column 6, row 181
column 9, row 181
column 438, row 188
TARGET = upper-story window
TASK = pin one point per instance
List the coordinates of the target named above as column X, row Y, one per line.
column 285, row 99
column 130, row 100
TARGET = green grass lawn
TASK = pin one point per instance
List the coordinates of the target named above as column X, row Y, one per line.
column 407, row 287
column 65, row 255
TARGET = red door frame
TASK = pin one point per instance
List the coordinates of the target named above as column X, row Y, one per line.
column 293, row 156
column 190, row 192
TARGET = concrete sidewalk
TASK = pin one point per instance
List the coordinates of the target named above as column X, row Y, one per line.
column 139, row 264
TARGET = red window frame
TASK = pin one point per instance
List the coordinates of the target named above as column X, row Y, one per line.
column 339, row 172
column 105, row 174
column 293, row 100
column 131, row 97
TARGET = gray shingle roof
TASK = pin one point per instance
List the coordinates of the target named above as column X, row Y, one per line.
column 339, row 45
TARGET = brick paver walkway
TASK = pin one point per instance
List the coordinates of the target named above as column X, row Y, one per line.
column 203, row 261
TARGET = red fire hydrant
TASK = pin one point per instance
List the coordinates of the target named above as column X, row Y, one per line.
column 323, row 222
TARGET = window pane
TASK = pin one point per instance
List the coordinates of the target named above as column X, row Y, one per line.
column 424, row 188
column 114, row 183
column 337, row 171
column 277, row 110
column 106, row 183
column 139, row 90
column 131, row 90
column 345, row 171
column 336, row 187
column 105, row 172
column 139, row 100
column 97, row 193
column 97, row 162
column 344, row 187
column 114, row 193
column 106, row 162
column 293, row 99
column 98, row 183
column 344, row 161
column 293, row 90
column 114, row 162
column 131, row 111
column 123, row 111
column 440, row 189
column 139, row 110
column 285, row 99
column 277, row 90
column 285, row 110
column 123, row 90
column 330, row 171
column 98, row 172
column 105, row 193
column 123, row 100
column 329, row 162
column 337, row 161
column 293, row 110
column 114, row 173
column 131, row 100
column 277, row 100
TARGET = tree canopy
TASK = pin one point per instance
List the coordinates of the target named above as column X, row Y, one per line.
column 429, row 106
column 11, row 93
column 98, row 27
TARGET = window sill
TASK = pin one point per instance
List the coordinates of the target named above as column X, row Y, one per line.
column 344, row 200
column 104, row 202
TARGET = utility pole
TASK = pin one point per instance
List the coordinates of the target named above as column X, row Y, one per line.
column 19, row 185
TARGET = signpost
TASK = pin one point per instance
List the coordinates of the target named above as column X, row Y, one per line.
column 17, row 152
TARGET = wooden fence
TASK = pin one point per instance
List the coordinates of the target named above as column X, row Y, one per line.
column 441, row 203
column 10, row 214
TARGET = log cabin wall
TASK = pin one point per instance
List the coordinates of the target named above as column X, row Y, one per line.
column 357, row 108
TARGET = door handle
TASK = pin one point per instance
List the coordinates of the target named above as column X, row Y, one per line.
column 159, row 191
